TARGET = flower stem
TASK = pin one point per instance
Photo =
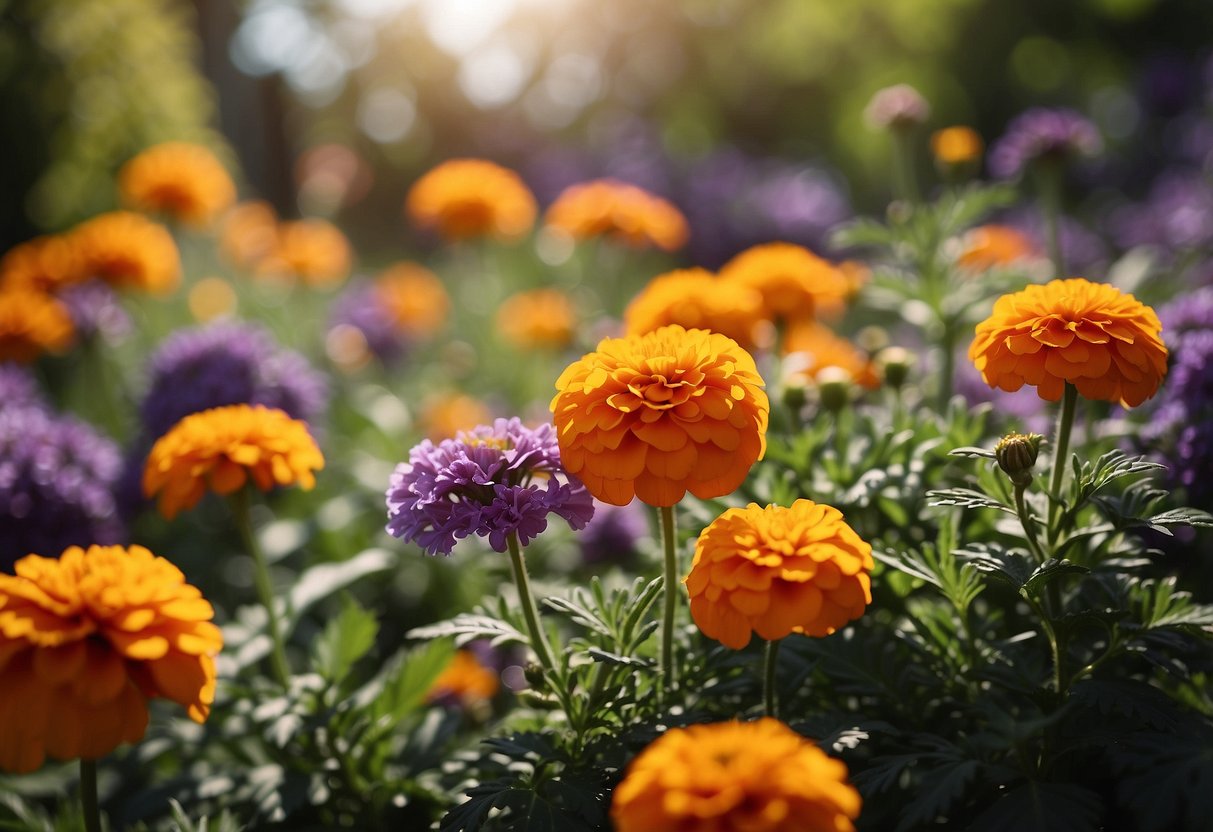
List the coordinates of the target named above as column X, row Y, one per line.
column 1029, row 528
column 1065, row 423
column 671, row 596
column 88, row 796
column 905, row 183
column 1049, row 183
column 265, row 589
column 770, row 657
column 539, row 642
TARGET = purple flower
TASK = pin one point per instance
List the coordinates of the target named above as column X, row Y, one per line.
column 491, row 481
column 897, row 107
column 614, row 534
column 1041, row 133
column 1180, row 429
column 56, row 484
column 1190, row 313
column 96, row 311
column 359, row 307
column 18, row 388
column 1177, row 214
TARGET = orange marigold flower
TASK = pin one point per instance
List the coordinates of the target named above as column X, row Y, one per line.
column 539, row 319
column 988, row 246
column 444, row 416
column 46, row 263
column 222, row 448
column 695, row 299
column 953, row 146
column 127, row 250
column 776, row 571
column 1092, row 335
column 810, row 347
column 313, row 250
column 465, row 679
column 794, row 282
column 632, row 215
column 654, row 416
column 180, row 180
column 415, row 298
column 86, row 639
column 249, row 233
column 465, row 198
column 31, row 323
column 735, row 777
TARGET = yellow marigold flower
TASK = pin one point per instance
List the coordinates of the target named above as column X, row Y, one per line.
column 313, row 250
column 31, row 323
column 415, row 298
column 989, row 246
column 654, row 416
column 465, row 679
column 466, row 198
column 776, row 571
column 249, row 233
column 222, row 448
column 46, row 263
column 444, row 416
column 86, row 639
column 794, row 282
column 811, row 347
column 632, row 215
column 180, row 180
column 954, row 146
column 1092, row 335
column 539, row 319
column 695, row 299
column 127, row 250
column 735, row 777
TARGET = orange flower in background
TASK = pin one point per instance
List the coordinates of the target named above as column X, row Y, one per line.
column 31, row 323
column 312, row 250
column 178, row 179
column 775, row 571
column 467, row 198
column 222, row 448
column 127, row 250
column 632, row 215
column 415, row 298
column 809, row 347
column 466, row 680
column 539, row 319
column 988, row 246
column 735, row 777
column 1092, row 335
column 444, row 416
column 46, row 263
column 695, row 299
column 86, row 639
column 958, row 145
column 249, row 233
column 794, row 282
column 654, row 416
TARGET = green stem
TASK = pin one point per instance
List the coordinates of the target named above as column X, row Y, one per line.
column 88, row 796
column 1046, row 626
column 905, row 184
column 770, row 703
column 1061, row 452
column 671, row 596
column 1025, row 519
column 948, row 371
column 539, row 642
column 1049, row 183
column 265, row 589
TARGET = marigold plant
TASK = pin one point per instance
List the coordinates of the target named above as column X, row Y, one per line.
column 31, row 323
column 632, row 215
column 222, row 448
column 989, row 246
column 468, row 198
column 958, row 145
column 776, row 571
column 414, row 297
column 128, row 251
column 312, row 250
column 656, row 415
column 1092, row 335
column 86, row 639
column 248, row 233
column 464, row 681
column 695, row 299
column 47, row 263
column 794, row 282
column 809, row 347
column 539, row 319
column 735, row 777
column 181, row 180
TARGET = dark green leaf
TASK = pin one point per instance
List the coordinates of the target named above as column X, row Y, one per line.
column 345, row 640
column 1043, row 807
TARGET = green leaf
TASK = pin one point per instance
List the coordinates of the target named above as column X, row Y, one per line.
column 966, row 498
column 345, row 640
column 401, row 687
column 1043, row 807
column 938, row 790
column 1049, row 571
column 972, row 452
column 614, row 658
column 1167, row 778
column 468, row 626
column 1136, row 701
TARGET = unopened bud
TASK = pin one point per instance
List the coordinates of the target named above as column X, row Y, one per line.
column 872, row 339
column 534, row 677
column 1016, row 454
column 794, row 395
column 895, row 363
column 834, row 387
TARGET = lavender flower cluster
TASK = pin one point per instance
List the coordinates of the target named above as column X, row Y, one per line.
column 359, row 307
column 1043, row 133
column 491, row 481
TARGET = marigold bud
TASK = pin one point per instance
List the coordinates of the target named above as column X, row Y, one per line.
column 1016, row 454
column 895, row 363
column 834, row 385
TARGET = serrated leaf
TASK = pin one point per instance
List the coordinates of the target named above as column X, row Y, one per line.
column 1167, row 778
column 1049, row 571
column 345, row 640
column 468, row 626
column 972, row 452
column 1043, row 807
column 1129, row 698
column 614, row 658
column 403, row 684
column 966, row 498
column 1010, row 568
column 938, row 790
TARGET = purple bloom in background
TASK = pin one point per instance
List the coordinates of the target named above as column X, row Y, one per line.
column 491, row 481
column 359, row 307
column 1177, row 214
column 18, row 388
column 1042, row 133
column 897, row 107
column 1082, row 249
column 614, row 533
column 56, row 485
column 96, row 311
column 1180, row 429
column 1191, row 313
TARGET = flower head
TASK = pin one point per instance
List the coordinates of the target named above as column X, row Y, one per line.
column 86, row 639
column 222, row 448
column 614, row 535
column 632, row 215
column 898, row 107
column 31, row 323
column 1103, row 341
column 465, row 681
column 491, row 481
column 656, row 415
column 311, row 250
column 468, row 198
column 181, row 180
column 810, row 347
column 735, row 777
column 776, row 571
column 794, row 282
column 538, row 319
column 248, row 233
column 990, row 246
column 46, row 263
column 127, row 250
column 414, row 298
column 96, row 311
column 695, row 299
column 18, row 387
column 956, row 146
column 1042, row 134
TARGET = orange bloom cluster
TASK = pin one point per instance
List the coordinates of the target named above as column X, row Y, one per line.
column 539, row 319
column 31, row 323
column 180, row 180
column 127, row 250
column 735, row 777
column 1103, row 341
column 695, row 299
column 795, row 283
column 811, row 347
column 312, row 250
column 632, row 215
column 466, row 198
column 47, row 264
column 990, row 246
column 776, row 571
column 248, row 233
column 654, row 416
column 466, row 680
column 444, row 416
column 222, row 448
column 86, row 640
column 415, row 298
column 954, row 146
